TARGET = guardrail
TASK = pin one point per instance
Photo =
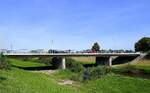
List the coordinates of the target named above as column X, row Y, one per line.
column 72, row 54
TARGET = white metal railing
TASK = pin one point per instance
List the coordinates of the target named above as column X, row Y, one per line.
column 72, row 53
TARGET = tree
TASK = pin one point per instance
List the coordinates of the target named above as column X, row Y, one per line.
column 96, row 47
column 143, row 45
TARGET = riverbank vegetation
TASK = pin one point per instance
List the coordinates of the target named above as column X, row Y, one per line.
column 18, row 80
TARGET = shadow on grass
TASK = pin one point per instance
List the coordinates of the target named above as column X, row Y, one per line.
column 89, row 65
column 2, row 79
column 35, row 68
column 139, row 75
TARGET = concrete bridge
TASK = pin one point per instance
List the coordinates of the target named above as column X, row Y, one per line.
column 101, row 58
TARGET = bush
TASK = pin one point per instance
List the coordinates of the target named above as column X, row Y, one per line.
column 47, row 61
column 4, row 62
column 76, row 77
column 26, row 58
column 96, row 72
column 56, row 62
column 74, row 66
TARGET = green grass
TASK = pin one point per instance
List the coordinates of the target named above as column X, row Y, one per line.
column 21, row 81
column 21, row 63
column 67, row 74
column 118, row 84
column 143, row 65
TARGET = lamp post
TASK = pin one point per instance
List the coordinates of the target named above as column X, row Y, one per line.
column 52, row 45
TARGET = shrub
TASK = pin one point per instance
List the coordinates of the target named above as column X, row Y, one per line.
column 96, row 72
column 4, row 62
column 47, row 61
column 76, row 77
column 74, row 66
column 26, row 58
column 56, row 62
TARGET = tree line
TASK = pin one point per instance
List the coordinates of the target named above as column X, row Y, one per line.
column 143, row 45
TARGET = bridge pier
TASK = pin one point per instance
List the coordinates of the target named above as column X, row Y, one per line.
column 110, row 61
column 59, row 62
column 104, row 61
column 63, row 63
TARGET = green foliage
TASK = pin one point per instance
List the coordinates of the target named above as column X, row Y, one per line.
column 56, row 62
column 26, row 58
column 96, row 72
column 74, row 66
column 47, row 61
column 67, row 74
column 143, row 44
column 4, row 62
column 96, row 47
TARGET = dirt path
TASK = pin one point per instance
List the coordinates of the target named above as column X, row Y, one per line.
column 45, row 71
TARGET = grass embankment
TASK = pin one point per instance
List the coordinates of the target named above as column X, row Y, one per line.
column 21, row 63
column 21, row 81
column 142, row 65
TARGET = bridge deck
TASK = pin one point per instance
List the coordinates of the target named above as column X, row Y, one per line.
column 72, row 54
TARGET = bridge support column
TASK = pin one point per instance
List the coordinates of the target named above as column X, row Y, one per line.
column 110, row 61
column 63, row 63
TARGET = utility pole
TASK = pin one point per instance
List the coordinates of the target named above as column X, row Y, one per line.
column 11, row 48
column 52, row 45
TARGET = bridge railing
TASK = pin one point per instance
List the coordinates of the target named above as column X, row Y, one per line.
column 72, row 53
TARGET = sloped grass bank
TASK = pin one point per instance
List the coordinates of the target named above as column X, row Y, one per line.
column 143, row 66
column 118, row 84
column 20, row 81
column 21, row 63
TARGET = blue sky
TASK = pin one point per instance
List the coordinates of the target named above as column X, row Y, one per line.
column 73, row 24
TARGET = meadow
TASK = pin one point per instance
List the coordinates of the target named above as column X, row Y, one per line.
column 21, row 81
